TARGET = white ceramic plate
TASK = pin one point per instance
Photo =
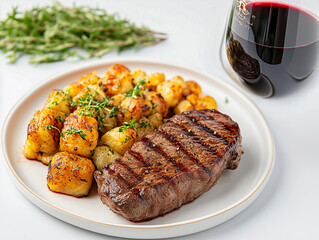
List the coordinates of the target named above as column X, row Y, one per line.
column 234, row 192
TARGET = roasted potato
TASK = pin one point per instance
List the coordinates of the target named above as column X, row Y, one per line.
column 138, row 75
column 206, row 102
column 183, row 106
column 156, row 104
column 117, row 80
column 104, row 155
column 88, row 79
column 91, row 91
column 155, row 120
column 79, row 135
column 193, row 99
column 70, row 174
column 130, row 108
column 73, row 89
column 45, row 158
column 119, row 139
column 105, row 121
column 117, row 99
column 171, row 91
column 194, row 88
column 180, row 81
column 143, row 126
column 43, row 134
column 59, row 102
column 154, row 79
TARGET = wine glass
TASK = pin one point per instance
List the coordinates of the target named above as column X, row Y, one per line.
column 269, row 47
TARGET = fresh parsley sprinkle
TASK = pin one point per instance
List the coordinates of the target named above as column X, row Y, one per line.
column 72, row 130
column 136, row 91
column 111, row 151
column 127, row 125
column 127, row 137
column 226, row 100
column 144, row 124
column 61, row 119
column 50, row 127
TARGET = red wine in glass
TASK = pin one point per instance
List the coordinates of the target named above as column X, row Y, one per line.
column 271, row 46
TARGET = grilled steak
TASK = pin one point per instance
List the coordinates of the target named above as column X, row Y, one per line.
column 172, row 166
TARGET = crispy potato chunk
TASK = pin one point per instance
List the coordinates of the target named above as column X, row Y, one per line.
column 193, row 99
column 206, row 102
column 88, row 79
column 79, row 135
column 143, row 126
column 171, row 91
column 43, row 134
column 104, row 155
column 73, row 89
column 183, row 106
column 130, row 108
column 156, row 104
column 117, row 80
column 70, row 174
column 138, row 75
column 58, row 101
column 154, row 79
column 180, row 81
column 45, row 158
column 119, row 141
column 106, row 120
column 117, row 99
column 194, row 88
column 92, row 90
column 155, row 120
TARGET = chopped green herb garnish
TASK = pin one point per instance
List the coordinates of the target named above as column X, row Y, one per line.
column 111, row 151
column 92, row 152
column 61, row 119
column 153, row 105
column 144, row 124
column 113, row 112
column 127, row 125
column 136, row 91
column 127, row 137
column 226, row 100
column 50, row 127
column 55, row 33
column 72, row 130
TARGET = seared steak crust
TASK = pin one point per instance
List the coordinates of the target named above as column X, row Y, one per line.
column 172, row 166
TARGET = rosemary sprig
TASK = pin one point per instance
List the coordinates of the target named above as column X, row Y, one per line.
column 55, row 33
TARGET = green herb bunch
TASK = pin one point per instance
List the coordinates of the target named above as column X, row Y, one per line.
column 55, row 33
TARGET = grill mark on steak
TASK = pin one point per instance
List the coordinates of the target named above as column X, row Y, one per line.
column 206, row 129
column 116, row 176
column 138, row 157
column 175, row 142
column 119, row 161
column 157, row 148
column 211, row 119
column 194, row 138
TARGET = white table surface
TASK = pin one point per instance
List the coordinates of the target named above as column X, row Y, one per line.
column 288, row 206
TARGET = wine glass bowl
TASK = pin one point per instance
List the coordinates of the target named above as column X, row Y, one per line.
column 270, row 47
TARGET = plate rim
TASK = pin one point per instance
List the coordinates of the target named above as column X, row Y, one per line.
column 135, row 60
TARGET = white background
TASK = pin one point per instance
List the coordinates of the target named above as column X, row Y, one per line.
column 288, row 207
